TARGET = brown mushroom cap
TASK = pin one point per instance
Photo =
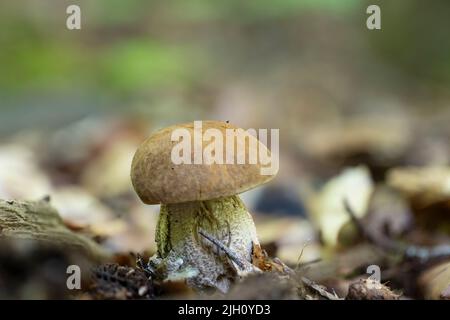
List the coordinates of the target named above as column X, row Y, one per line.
column 157, row 179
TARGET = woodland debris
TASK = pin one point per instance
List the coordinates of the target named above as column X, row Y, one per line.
column 39, row 221
column 372, row 135
column 114, row 282
column 78, row 207
column 262, row 286
column 32, row 270
column 20, row 176
column 303, row 283
column 424, row 185
column 262, row 264
column 322, row 290
column 428, row 191
column 326, row 207
column 370, row 289
column 389, row 213
column 243, row 265
column 344, row 264
column 285, row 235
column 424, row 254
column 435, row 282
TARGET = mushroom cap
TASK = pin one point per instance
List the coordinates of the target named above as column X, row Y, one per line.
column 156, row 179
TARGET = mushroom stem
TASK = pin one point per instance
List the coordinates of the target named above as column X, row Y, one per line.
column 178, row 237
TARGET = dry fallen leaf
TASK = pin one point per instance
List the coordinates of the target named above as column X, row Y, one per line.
column 20, row 176
column 327, row 209
column 428, row 191
column 435, row 282
column 137, row 232
column 389, row 213
column 424, row 185
column 79, row 208
column 376, row 136
column 109, row 174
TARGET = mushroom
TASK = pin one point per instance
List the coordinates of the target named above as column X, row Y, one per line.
column 198, row 200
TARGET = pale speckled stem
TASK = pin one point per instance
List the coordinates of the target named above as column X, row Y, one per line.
column 177, row 237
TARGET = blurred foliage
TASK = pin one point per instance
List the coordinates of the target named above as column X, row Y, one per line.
column 415, row 38
column 137, row 64
column 244, row 11
column 39, row 53
column 185, row 53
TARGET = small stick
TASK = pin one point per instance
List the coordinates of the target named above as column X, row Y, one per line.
column 308, row 282
column 241, row 263
column 246, row 266
column 320, row 289
column 141, row 265
column 382, row 242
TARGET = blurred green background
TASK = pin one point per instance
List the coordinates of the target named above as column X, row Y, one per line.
column 180, row 60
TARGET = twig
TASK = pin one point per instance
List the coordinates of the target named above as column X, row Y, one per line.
column 382, row 242
column 300, row 256
column 308, row 282
column 241, row 263
column 320, row 289
column 144, row 267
